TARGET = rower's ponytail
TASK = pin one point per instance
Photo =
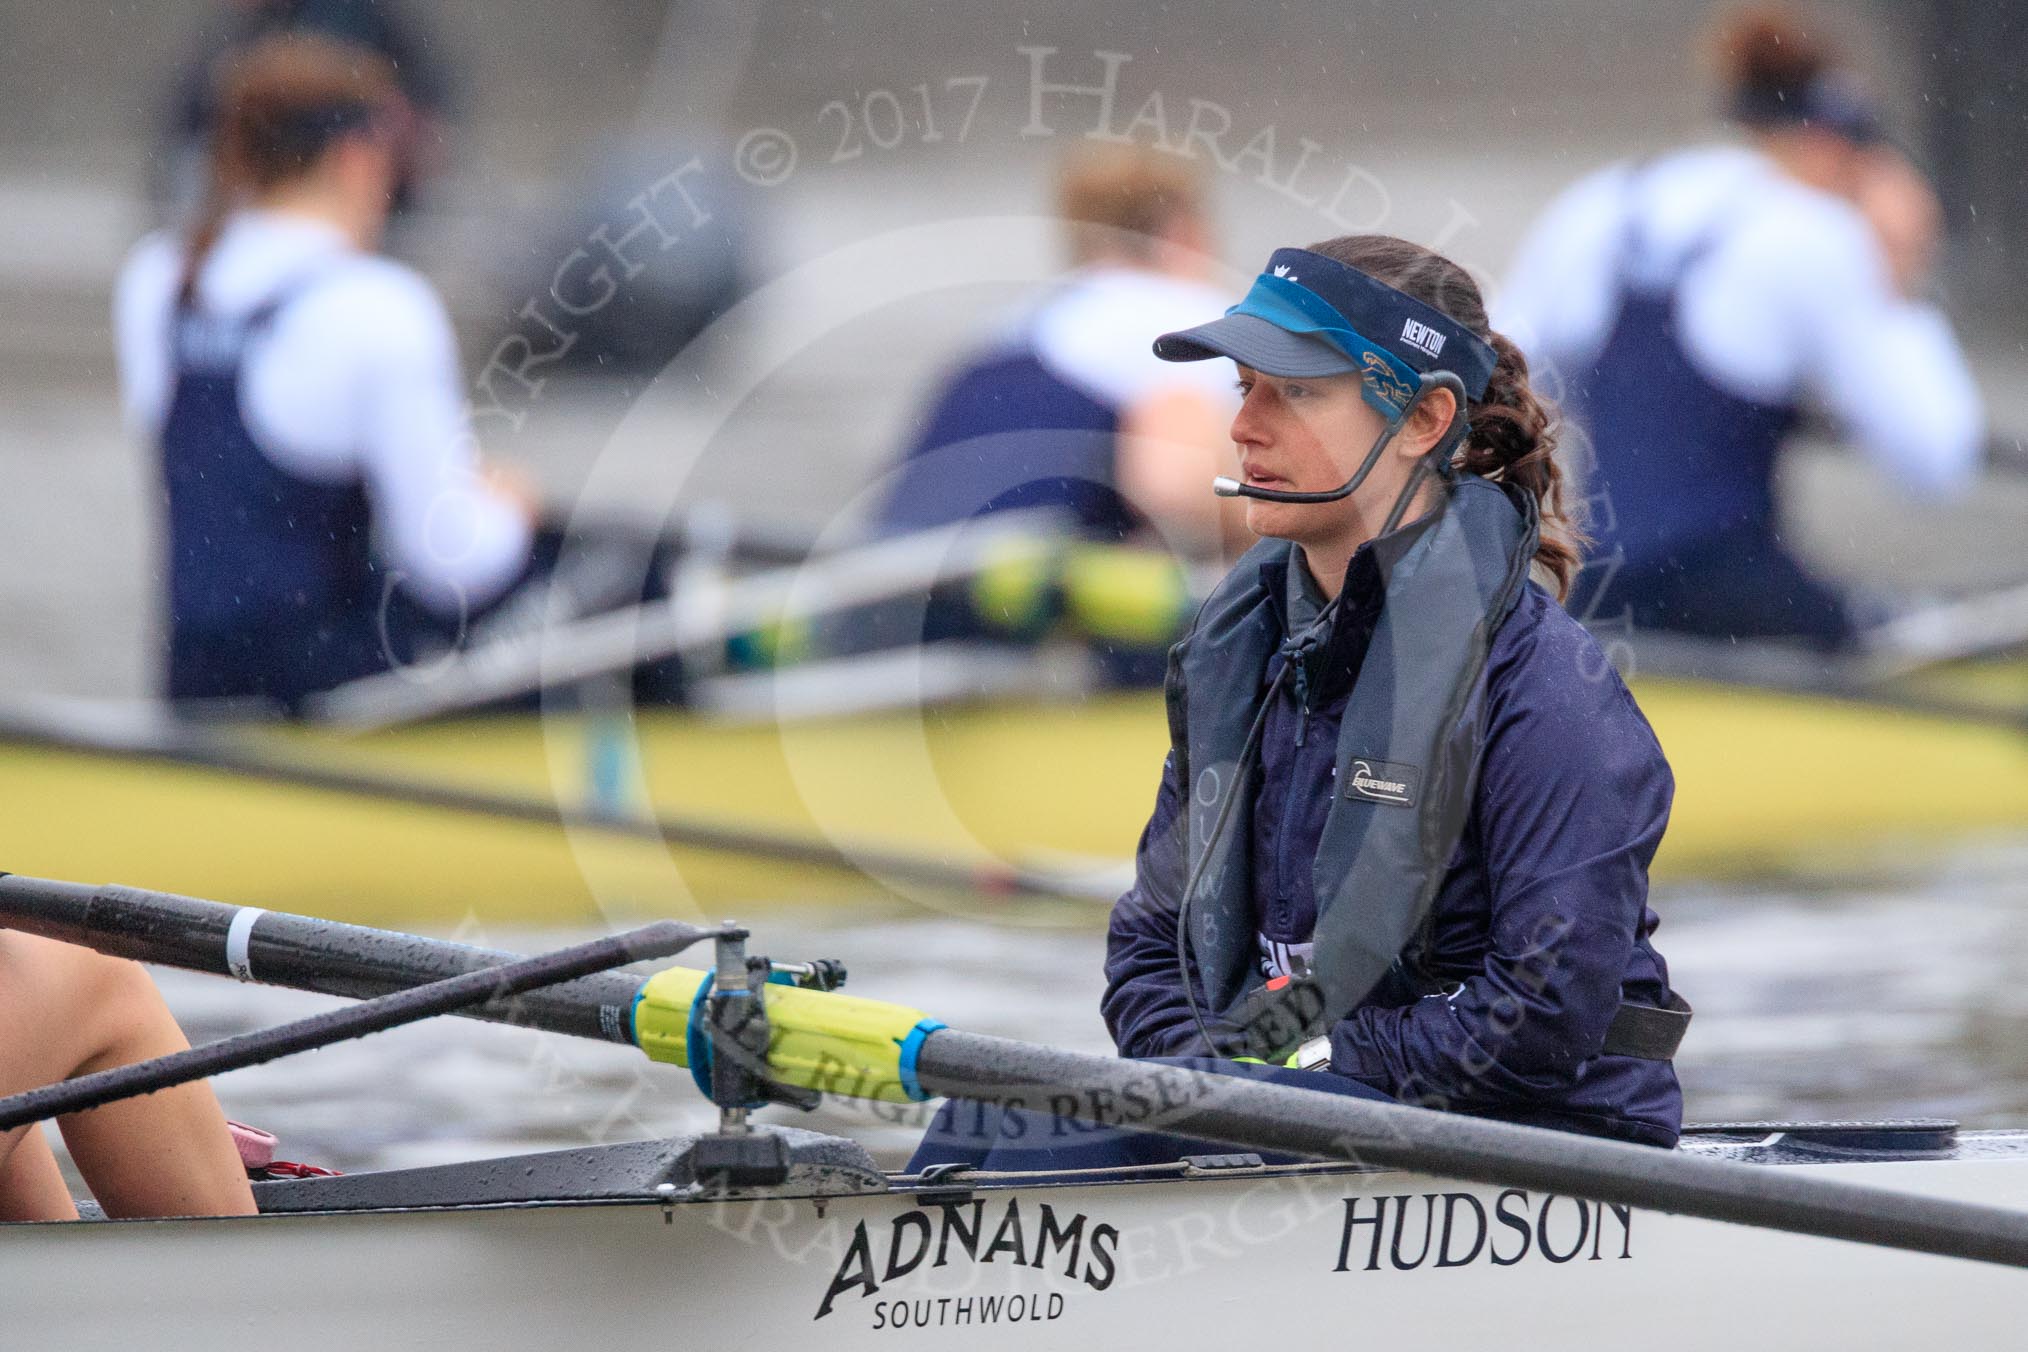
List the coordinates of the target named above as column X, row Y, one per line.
column 1766, row 57
column 1513, row 429
column 1513, row 439
column 225, row 184
column 281, row 103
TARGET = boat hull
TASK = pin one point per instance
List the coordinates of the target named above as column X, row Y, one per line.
column 1374, row 1258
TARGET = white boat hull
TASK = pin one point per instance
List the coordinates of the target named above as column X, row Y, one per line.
column 1377, row 1259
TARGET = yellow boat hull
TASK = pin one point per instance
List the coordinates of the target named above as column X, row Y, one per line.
column 1765, row 782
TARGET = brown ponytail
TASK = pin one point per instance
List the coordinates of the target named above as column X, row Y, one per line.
column 1779, row 69
column 1766, row 57
column 1513, row 433
column 281, row 104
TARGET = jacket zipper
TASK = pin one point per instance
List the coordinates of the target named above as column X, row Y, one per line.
column 1289, row 799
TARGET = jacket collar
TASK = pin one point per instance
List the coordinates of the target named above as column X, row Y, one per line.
column 1332, row 661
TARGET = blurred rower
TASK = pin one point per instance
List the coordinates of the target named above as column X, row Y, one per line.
column 327, row 512
column 1069, row 408
column 1697, row 301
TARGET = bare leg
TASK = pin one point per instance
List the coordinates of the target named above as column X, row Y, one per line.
column 69, row 1011
column 31, row 1186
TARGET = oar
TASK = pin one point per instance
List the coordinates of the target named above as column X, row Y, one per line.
column 490, row 985
column 844, row 1045
column 1260, row 1116
column 299, row 952
column 1974, row 626
column 691, row 619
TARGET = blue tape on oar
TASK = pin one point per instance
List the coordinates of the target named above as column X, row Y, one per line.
column 911, row 1048
column 697, row 1042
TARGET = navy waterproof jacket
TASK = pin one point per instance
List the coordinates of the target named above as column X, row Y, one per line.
column 1540, row 929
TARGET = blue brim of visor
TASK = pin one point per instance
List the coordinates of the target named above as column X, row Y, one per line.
column 1283, row 329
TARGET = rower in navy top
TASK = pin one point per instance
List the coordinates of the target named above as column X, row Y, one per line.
column 1401, row 841
column 1067, row 408
column 1696, row 303
column 272, row 583
column 1067, row 411
column 326, row 511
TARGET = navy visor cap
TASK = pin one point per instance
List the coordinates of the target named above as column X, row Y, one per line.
column 1308, row 316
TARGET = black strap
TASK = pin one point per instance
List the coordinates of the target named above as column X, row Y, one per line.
column 1648, row 1032
column 1634, row 242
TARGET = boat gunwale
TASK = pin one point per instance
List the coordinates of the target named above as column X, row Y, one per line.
column 1972, row 1147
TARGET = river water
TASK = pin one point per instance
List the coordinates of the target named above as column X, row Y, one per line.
column 1882, row 998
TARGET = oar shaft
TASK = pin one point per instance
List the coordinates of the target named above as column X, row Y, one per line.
column 616, row 641
column 447, row 996
column 1261, row 1116
column 279, row 949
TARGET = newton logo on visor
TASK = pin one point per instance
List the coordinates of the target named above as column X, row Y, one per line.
column 1420, row 335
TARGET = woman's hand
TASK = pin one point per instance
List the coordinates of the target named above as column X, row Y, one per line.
column 1903, row 210
column 514, row 486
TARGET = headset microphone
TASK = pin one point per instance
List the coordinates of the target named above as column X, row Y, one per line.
column 1227, row 487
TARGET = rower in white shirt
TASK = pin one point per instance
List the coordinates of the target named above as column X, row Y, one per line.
column 1694, row 304
column 1067, row 410
column 327, row 510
